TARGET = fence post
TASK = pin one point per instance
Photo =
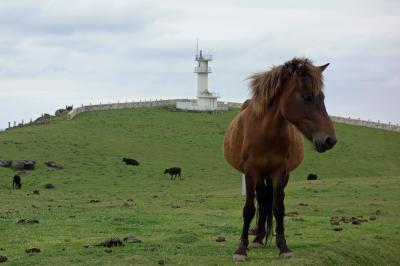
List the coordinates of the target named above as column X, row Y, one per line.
column 9, row 124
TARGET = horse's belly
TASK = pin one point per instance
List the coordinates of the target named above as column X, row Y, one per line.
column 233, row 144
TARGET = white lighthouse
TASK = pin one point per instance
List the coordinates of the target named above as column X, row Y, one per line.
column 206, row 100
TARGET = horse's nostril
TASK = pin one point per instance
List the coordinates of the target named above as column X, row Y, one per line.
column 330, row 142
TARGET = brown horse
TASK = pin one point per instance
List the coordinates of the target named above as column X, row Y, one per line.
column 264, row 142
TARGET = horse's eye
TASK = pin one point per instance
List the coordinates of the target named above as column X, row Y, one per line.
column 307, row 97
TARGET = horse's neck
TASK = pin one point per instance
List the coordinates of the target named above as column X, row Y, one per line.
column 272, row 125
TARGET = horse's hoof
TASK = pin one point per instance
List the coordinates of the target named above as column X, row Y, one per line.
column 286, row 255
column 256, row 245
column 239, row 257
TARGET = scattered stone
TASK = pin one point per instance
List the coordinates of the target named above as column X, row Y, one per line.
column 49, row 186
column 94, row 201
column 356, row 221
column 17, row 165
column 220, row 239
column 132, row 239
column 88, row 246
column 126, row 205
column 108, row 250
column 5, row 163
column 36, row 192
column 111, row 242
column 53, row 164
column 337, row 229
column 34, row 206
column 27, row 221
column 291, row 214
column 3, row 259
column 161, row 262
column 372, row 218
column 303, row 204
column 130, row 200
column 32, row 250
column 29, row 165
column 378, row 212
column 174, row 206
column 312, row 176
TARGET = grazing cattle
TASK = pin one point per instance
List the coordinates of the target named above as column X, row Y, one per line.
column 312, row 177
column 130, row 161
column 264, row 141
column 173, row 172
column 16, row 182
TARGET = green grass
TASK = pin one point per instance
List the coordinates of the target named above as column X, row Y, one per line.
column 178, row 221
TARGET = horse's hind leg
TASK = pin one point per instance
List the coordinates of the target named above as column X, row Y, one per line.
column 261, row 196
column 279, row 212
column 249, row 211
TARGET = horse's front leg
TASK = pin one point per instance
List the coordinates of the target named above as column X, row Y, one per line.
column 261, row 195
column 248, row 215
column 279, row 183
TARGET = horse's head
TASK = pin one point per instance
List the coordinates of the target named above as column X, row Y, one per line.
column 295, row 89
column 302, row 103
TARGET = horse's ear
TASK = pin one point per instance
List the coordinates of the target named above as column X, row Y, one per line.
column 322, row 68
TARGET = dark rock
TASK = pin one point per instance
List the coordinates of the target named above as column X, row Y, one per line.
column 29, row 165
column 17, row 165
column 5, row 163
column 372, row 218
column 220, row 239
column 27, row 221
column 161, row 262
column 108, row 250
column 53, row 164
column 132, row 239
column 36, row 192
column 111, row 242
column 94, row 201
column 291, row 214
column 32, row 250
column 49, row 186
column 3, row 259
column 337, row 229
column 312, row 176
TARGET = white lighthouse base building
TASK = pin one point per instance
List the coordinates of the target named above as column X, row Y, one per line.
column 202, row 104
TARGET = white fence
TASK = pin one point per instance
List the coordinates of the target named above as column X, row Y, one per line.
column 124, row 105
column 359, row 122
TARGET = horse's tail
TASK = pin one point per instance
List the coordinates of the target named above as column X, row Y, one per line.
column 270, row 197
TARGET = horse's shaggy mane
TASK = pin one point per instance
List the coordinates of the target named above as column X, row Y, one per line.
column 265, row 86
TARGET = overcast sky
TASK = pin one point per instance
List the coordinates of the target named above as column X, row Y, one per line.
column 54, row 53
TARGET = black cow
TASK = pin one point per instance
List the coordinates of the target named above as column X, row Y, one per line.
column 173, row 172
column 130, row 161
column 16, row 182
column 312, row 177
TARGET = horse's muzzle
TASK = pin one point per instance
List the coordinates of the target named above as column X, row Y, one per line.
column 323, row 143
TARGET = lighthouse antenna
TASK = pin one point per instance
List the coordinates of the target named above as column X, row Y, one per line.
column 197, row 47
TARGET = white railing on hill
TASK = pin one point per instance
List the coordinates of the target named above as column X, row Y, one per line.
column 359, row 122
column 123, row 105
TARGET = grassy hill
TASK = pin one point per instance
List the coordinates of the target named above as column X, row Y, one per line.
column 179, row 220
